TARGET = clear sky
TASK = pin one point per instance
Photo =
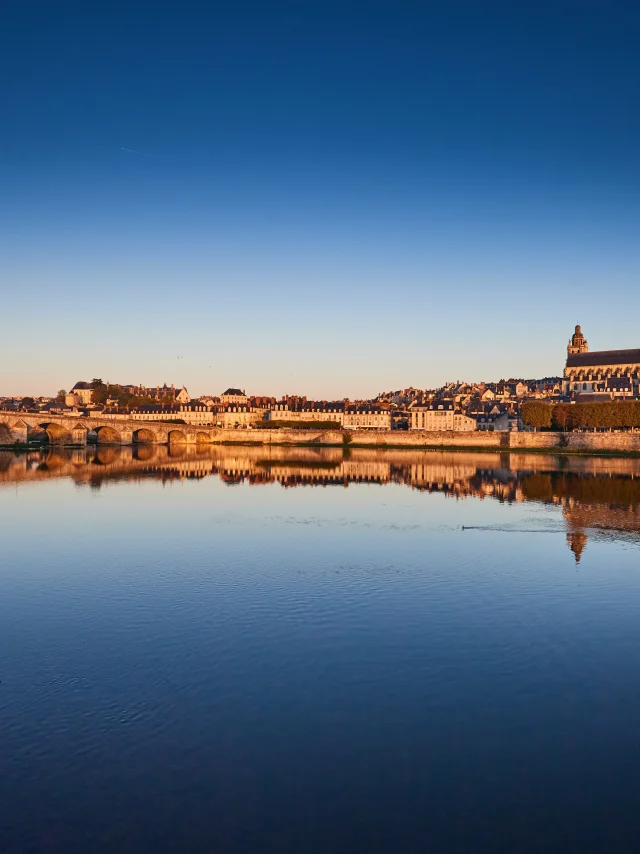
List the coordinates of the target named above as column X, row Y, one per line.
column 331, row 199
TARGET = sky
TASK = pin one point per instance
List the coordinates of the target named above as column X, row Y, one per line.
column 330, row 199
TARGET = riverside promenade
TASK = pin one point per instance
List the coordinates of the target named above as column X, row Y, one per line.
column 19, row 428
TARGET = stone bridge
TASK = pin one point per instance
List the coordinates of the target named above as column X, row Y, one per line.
column 74, row 430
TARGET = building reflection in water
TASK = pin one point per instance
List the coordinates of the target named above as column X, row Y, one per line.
column 577, row 541
column 595, row 494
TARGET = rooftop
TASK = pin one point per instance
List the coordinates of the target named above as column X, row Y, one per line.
column 603, row 357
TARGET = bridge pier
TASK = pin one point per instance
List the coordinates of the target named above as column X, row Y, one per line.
column 79, row 435
column 18, row 432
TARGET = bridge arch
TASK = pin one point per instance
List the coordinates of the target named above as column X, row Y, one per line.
column 106, row 434
column 144, row 434
column 203, row 438
column 54, row 433
column 177, row 437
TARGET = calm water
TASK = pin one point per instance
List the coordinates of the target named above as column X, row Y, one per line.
column 284, row 650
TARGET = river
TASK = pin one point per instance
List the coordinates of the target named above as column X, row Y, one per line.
column 247, row 649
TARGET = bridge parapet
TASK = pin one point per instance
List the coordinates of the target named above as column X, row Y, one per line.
column 71, row 430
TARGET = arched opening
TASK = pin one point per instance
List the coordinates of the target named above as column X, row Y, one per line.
column 107, row 435
column 203, row 438
column 144, row 435
column 177, row 437
column 55, row 434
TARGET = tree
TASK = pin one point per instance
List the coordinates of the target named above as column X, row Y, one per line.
column 561, row 417
column 100, row 391
column 28, row 402
column 61, row 395
column 615, row 414
column 536, row 414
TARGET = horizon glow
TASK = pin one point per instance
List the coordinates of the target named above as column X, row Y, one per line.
column 315, row 201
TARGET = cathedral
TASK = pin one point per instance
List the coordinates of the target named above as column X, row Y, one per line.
column 610, row 373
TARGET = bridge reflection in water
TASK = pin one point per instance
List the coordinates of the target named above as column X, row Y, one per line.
column 598, row 496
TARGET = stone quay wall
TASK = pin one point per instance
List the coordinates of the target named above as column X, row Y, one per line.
column 596, row 442
column 429, row 438
column 76, row 431
column 499, row 441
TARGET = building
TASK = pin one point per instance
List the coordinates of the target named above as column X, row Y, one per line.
column 366, row 416
column 163, row 392
column 614, row 372
column 353, row 416
column 79, row 394
column 307, row 410
column 234, row 395
column 497, row 420
column 58, row 407
column 440, row 415
column 182, row 396
column 191, row 413
column 236, row 415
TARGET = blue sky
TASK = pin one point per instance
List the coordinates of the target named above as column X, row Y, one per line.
column 331, row 199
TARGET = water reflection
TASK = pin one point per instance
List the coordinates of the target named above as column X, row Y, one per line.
column 596, row 495
column 309, row 646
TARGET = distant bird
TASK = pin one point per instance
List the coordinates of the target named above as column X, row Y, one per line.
column 133, row 151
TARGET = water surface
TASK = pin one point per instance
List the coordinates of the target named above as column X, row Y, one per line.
column 253, row 649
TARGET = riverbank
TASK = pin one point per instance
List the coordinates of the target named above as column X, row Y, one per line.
column 600, row 444
column 607, row 444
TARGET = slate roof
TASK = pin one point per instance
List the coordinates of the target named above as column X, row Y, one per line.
column 603, row 357
column 619, row 382
column 593, row 397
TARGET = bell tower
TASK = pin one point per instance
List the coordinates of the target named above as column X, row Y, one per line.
column 577, row 343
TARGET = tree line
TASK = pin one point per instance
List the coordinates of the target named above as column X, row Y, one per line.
column 101, row 393
column 560, row 417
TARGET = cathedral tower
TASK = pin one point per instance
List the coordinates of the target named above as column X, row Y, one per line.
column 577, row 343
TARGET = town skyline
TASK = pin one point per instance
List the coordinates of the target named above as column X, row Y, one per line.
column 604, row 378
column 307, row 392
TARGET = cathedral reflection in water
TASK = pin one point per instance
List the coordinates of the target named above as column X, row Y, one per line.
column 598, row 496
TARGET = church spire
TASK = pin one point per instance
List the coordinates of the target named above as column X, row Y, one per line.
column 577, row 343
